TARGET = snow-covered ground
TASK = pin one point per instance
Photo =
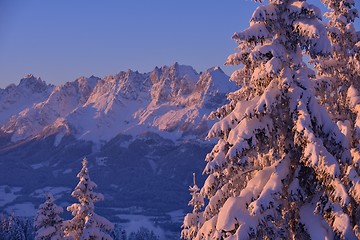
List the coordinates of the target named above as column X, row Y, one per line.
column 57, row 192
column 135, row 222
column 26, row 209
column 8, row 194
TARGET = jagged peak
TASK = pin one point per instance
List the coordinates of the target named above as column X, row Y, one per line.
column 183, row 69
column 34, row 84
column 29, row 76
column 216, row 68
column 82, row 82
column 214, row 80
column 29, row 79
column 177, row 68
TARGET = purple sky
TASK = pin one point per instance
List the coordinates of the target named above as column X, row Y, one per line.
column 62, row 40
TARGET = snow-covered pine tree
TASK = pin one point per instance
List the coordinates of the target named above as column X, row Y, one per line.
column 279, row 157
column 48, row 221
column 195, row 219
column 340, row 73
column 86, row 224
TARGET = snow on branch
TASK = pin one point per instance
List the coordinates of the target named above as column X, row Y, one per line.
column 302, row 8
column 315, row 37
column 256, row 32
column 264, row 13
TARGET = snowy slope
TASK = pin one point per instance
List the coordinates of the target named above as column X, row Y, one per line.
column 171, row 101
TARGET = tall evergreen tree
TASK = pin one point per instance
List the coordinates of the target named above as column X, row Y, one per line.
column 48, row 221
column 278, row 170
column 86, row 224
column 340, row 73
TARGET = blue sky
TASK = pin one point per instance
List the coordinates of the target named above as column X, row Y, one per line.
column 62, row 40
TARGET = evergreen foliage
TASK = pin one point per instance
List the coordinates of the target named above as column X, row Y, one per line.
column 48, row 221
column 16, row 228
column 143, row 234
column 86, row 224
column 195, row 219
column 280, row 167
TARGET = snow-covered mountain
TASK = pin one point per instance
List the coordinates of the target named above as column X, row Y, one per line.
column 141, row 132
column 172, row 101
column 15, row 99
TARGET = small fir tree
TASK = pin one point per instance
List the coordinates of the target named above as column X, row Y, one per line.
column 194, row 220
column 86, row 224
column 48, row 221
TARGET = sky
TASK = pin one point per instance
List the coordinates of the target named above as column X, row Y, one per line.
column 60, row 41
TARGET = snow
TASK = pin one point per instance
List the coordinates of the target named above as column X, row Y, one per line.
column 85, row 222
column 319, row 157
column 272, row 187
column 316, row 34
column 26, row 209
column 57, row 192
column 355, row 182
column 177, row 215
column 275, row 140
column 340, row 193
column 218, row 158
column 232, row 119
column 8, row 194
column 256, row 31
column 135, row 222
column 43, row 232
column 69, row 170
column 264, row 13
column 268, row 98
column 245, row 131
column 207, row 228
column 342, row 224
column 234, row 212
column 297, row 7
column 101, row 161
column 353, row 96
column 345, row 128
column 37, row 166
column 316, row 226
column 16, row 98
column 170, row 101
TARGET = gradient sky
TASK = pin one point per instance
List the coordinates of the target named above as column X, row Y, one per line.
column 64, row 39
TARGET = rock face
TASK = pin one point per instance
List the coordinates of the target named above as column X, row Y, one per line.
column 142, row 133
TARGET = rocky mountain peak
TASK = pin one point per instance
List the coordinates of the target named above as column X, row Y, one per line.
column 35, row 85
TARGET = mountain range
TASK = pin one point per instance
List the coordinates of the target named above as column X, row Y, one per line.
column 143, row 133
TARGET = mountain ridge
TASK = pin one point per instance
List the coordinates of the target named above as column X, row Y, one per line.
column 173, row 99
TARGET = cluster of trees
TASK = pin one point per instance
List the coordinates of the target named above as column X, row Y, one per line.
column 85, row 224
column 286, row 165
column 22, row 228
column 16, row 228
